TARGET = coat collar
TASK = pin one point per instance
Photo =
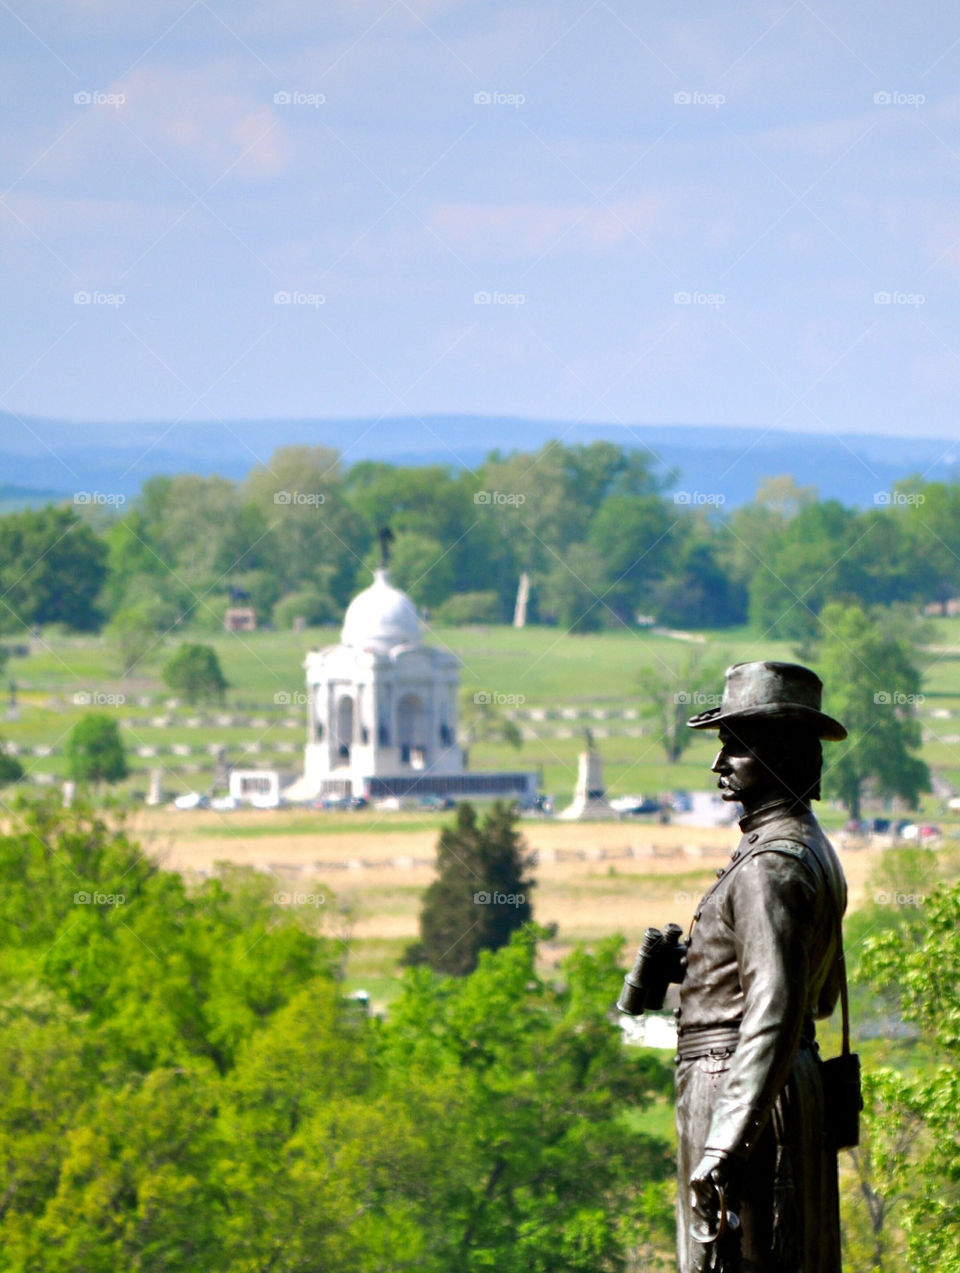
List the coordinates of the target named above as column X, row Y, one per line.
column 773, row 811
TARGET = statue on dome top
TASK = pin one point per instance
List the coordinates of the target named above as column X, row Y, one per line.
column 386, row 537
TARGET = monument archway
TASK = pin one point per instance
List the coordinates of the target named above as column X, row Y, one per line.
column 412, row 730
column 344, row 735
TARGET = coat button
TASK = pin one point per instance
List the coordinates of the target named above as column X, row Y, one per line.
column 697, row 914
column 720, row 873
column 755, row 837
column 676, row 1013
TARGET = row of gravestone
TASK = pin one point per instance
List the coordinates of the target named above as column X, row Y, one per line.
column 531, row 735
column 254, row 748
column 172, row 704
column 572, row 713
column 233, row 722
column 213, row 749
column 47, row 780
column 532, row 713
column 171, row 749
column 229, row 721
column 224, row 721
column 629, row 713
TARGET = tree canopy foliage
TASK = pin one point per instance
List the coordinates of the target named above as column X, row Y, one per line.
column 914, row 1118
column 873, row 687
column 52, row 568
column 95, row 751
column 593, row 525
column 195, row 672
column 186, row 1087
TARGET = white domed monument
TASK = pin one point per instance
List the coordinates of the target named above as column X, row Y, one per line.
column 382, row 710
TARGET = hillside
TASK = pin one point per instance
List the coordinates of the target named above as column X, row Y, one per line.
column 40, row 454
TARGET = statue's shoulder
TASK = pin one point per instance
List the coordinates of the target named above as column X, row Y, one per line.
column 800, row 837
column 795, row 835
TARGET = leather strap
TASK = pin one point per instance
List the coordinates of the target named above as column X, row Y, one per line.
column 844, row 1000
column 841, row 960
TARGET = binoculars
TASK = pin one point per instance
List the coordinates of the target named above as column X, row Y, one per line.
column 661, row 960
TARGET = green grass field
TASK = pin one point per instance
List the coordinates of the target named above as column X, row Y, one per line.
column 545, row 668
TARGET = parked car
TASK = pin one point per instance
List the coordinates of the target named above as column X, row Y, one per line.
column 437, row 802
column 920, row 831
column 341, row 802
column 388, row 804
column 332, row 802
column 191, row 800
column 633, row 805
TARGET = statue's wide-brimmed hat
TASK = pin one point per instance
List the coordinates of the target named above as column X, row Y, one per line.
column 771, row 691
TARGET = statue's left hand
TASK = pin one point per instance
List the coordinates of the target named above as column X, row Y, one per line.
column 712, row 1173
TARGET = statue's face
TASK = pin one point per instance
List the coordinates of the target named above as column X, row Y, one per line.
column 743, row 766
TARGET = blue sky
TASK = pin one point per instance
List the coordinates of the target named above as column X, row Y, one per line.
column 582, row 211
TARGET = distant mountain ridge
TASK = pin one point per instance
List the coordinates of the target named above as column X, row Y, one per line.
column 43, row 458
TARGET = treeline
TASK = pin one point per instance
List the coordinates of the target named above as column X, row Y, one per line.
column 901, row 1209
column 186, row 1086
column 604, row 536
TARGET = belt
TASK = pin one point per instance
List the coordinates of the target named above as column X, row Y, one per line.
column 717, row 1040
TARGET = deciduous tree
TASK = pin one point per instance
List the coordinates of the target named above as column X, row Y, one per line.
column 95, row 751
column 670, row 696
column 873, row 687
column 52, row 567
column 195, row 672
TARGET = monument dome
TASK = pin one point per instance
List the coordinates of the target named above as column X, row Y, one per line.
column 382, row 710
column 380, row 617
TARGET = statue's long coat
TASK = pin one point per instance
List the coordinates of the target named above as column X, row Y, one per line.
column 763, row 957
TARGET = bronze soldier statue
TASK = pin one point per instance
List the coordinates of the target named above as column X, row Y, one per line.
column 756, row 1159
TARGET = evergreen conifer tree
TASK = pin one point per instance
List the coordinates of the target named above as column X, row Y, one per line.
column 481, row 893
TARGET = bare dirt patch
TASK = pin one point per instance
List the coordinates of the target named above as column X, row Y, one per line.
column 593, row 879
